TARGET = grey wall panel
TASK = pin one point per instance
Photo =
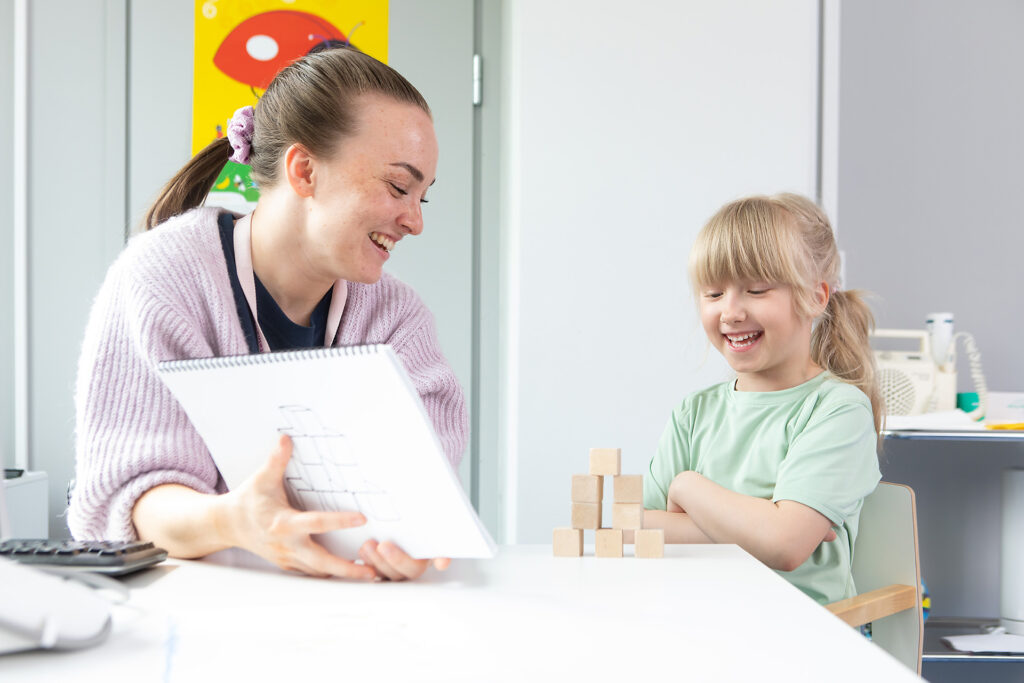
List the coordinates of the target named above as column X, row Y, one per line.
column 431, row 44
column 159, row 99
column 930, row 142
column 6, row 235
column 931, row 104
column 76, row 208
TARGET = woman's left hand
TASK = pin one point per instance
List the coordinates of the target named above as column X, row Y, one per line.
column 391, row 562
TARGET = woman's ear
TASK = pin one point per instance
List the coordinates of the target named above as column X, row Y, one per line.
column 299, row 167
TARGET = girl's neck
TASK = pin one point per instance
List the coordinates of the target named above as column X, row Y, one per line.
column 280, row 259
column 785, row 379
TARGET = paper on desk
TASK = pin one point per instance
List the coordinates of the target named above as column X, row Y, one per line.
column 996, row 641
column 942, row 421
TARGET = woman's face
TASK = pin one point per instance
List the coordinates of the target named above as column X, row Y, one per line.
column 368, row 195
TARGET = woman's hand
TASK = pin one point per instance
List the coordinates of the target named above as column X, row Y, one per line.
column 392, row 563
column 261, row 520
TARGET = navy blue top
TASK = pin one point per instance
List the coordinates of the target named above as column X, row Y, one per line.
column 281, row 333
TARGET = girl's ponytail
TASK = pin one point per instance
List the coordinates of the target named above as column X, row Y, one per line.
column 189, row 187
column 840, row 344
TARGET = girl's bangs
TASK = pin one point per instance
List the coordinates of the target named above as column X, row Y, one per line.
column 745, row 241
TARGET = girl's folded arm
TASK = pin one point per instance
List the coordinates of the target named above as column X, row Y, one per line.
column 782, row 535
column 678, row 526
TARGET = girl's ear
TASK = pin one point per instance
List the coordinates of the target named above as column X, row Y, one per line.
column 822, row 293
column 299, row 167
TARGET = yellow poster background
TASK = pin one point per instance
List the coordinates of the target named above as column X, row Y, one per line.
column 216, row 95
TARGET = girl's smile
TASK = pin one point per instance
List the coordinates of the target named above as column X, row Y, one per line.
column 756, row 327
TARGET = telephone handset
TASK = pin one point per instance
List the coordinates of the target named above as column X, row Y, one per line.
column 924, row 380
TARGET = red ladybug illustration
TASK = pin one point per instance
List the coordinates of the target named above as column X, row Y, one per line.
column 263, row 44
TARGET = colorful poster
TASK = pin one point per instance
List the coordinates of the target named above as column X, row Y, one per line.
column 241, row 44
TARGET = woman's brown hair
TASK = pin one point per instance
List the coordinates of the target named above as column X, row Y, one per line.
column 311, row 102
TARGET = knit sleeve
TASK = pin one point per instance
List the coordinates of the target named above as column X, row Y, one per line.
column 390, row 312
column 131, row 433
column 415, row 342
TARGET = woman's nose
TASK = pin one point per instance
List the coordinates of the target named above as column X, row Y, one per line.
column 412, row 220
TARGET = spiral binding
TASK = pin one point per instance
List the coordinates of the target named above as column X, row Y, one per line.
column 272, row 358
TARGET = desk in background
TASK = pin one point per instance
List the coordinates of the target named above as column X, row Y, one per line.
column 935, row 543
column 705, row 612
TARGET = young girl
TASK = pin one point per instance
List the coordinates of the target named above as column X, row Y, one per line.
column 780, row 459
column 343, row 149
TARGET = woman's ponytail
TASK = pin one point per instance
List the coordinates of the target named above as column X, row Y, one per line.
column 840, row 343
column 189, row 187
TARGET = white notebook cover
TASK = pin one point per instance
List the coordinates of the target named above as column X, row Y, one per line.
column 361, row 441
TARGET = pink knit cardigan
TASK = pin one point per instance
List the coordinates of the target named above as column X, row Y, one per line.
column 168, row 297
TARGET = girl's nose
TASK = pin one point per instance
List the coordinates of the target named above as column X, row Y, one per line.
column 732, row 312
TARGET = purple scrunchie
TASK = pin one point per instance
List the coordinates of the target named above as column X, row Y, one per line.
column 240, row 129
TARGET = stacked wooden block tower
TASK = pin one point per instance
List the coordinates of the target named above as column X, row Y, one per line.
column 627, row 511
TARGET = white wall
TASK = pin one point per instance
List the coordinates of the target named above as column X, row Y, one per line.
column 626, row 128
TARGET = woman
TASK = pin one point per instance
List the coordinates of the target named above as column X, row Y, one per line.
column 343, row 149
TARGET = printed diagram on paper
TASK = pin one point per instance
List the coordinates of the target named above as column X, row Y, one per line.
column 324, row 472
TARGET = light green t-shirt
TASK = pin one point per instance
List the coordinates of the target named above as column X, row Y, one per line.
column 814, row 443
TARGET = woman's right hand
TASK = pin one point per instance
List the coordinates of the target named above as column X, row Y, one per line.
column 260, row 519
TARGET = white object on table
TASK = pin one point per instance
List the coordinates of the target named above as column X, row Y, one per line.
column 27, row 500
column 705, row 612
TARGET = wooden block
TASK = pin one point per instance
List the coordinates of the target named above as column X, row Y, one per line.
column 627, row 516
column 606, row 461
column 609, row 543
column 586, row 515
column 568, row 542
column 587, row 488
column 649, row 543
column 629, row 488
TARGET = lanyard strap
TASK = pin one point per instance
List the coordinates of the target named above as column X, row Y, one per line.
column 246, row 278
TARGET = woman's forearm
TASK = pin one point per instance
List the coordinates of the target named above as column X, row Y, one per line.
column 182, row 521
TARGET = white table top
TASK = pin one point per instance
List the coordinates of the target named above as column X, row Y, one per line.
column 705, row 612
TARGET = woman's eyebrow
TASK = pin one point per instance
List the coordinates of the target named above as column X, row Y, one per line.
column 413, row 171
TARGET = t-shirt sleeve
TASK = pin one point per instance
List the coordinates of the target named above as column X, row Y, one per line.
column 832, row 465
column 671, row 458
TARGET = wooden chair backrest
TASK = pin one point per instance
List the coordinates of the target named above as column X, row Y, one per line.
column 886, row 553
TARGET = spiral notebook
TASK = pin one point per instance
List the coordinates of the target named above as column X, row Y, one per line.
column 361, row 438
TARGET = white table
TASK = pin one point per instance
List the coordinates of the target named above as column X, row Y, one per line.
column 707, row 612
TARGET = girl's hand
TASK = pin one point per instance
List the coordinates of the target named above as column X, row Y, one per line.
column 260, row 520
column 392, row 563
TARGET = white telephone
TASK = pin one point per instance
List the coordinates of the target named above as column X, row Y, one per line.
column 923, row 380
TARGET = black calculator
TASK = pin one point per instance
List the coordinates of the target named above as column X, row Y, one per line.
column 105, row 557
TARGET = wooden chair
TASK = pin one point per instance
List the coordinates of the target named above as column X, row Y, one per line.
column 887, row 574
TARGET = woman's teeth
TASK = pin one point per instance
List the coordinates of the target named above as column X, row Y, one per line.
column 386, row 243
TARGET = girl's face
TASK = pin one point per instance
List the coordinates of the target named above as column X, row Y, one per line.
column 369, row 194
column 757, row 328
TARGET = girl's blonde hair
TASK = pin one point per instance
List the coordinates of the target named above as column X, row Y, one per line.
column 787, row 239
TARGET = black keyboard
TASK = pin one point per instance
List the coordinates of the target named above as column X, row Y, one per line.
column 106, row 557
